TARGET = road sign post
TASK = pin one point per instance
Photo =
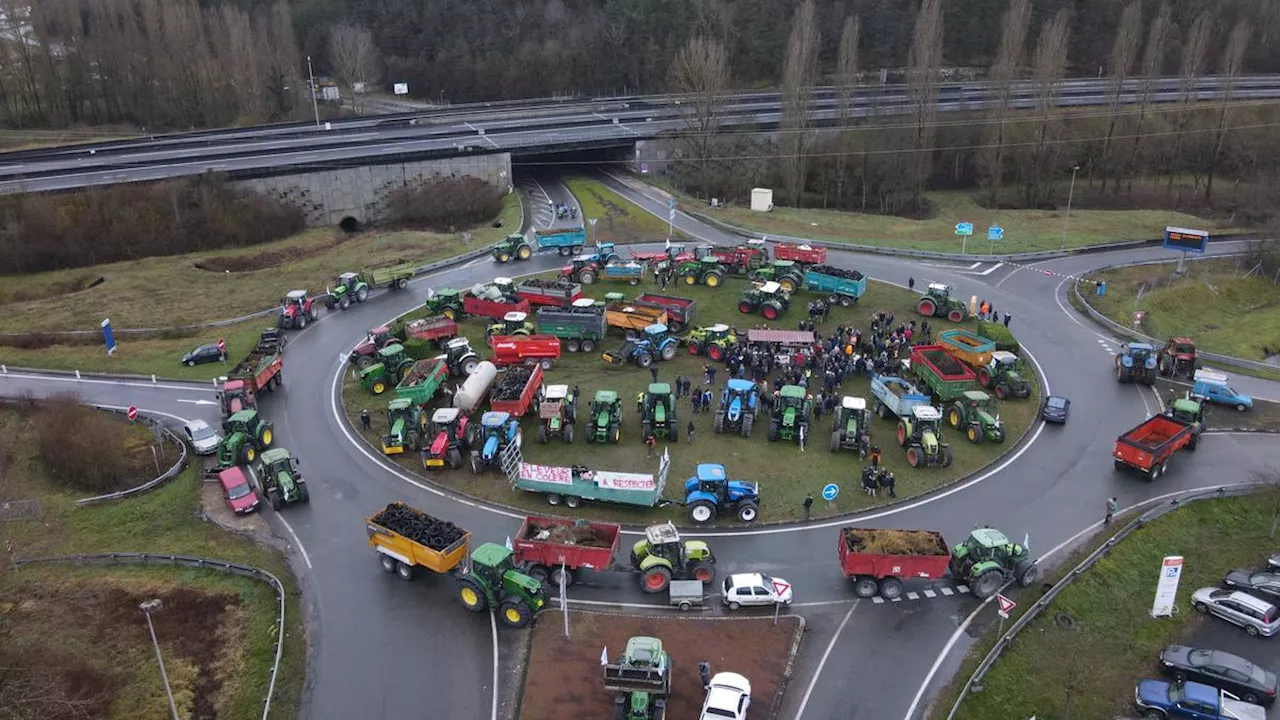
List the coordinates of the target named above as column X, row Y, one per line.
column 1167, row 587
column 829, row 493
column 132, row 413
column 994, row 233
column 1003, row 606
column 108, row 337
column 964, row 230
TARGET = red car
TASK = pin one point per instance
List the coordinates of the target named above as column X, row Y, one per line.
column 240, row 495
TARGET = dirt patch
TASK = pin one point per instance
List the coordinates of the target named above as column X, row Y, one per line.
column 1263, row 417
column 565, row 679
column 250, row 262
column 52, row 289
column 253, row 525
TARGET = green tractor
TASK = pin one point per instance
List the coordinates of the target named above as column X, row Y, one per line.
column 975, row 411
column 513, row 323
column 245, row 435
column 659, row 413
column 515, row 246
column 784, row 272
column 642, row 680
column 849, row 423
column 1191, row 412
column 713, row 341
column 393, row 364
column 661, row 556
column 348, row 288
column 606, row 418
column 460, row 358
column 707, row 271
column 920, row 433
column 790, row 415
column 444, row 301
column 281, row 480
column 769, row 299
column 937, row 302
column 1001, row 374
column 555, row 413
column 406, row 427
column 987, row 560
column 492, row 581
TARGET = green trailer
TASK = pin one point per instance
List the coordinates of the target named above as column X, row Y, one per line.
column 947, row 378
column 423, row 380
column 396, row 277
column 580, row 327
column 572, row 485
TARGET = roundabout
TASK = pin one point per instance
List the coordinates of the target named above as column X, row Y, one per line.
column 384, row 648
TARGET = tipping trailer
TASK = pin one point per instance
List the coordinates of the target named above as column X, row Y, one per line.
column 259, row 370
column 878, row 560
column 566, row 241
column 1150, row 446
column 496, row 309
column 513, row 392
column 802, row 254
column 436, row 328
column 545, row 545
column 634, row 317
column 396, row 277
column 841, row 286
column 680, row 311
column 577, row 328
column 403, row 555
column 572, row 485
column 556, row 293
column 972, row 349
column 541, row 350
column 423, row 380
column 895, row 397
column 946, row 377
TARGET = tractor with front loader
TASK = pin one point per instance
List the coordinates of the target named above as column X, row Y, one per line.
column 987, row 559
column 661, row 557
column 245, row 436
column 1136, row 362
column 938, row 302
column 449, row 435
column 406, row 425
column 770, row 300
column 974, row 412
column 642, row 680
column 281, row 480
column 921, row 434
column 606, row 418
column 849, row 423
column 1001, row 376
column 658, row 413
column 739, row 402
column 491, row 580
column 790, row 418
column 710, row 493
column 713, row 341
column 555, row 413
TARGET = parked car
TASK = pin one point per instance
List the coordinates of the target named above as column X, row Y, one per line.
column 204, row 354
column 204, row 440
column 754, row 589
column 1221, row 670
column 1265, row 585
column 1273, row 562
column 1192, row 700
column 1055, row 409
column 728, row 696
column 1257, row 617
column 240, row 495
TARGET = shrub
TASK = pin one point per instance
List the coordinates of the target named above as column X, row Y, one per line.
column 82, row 447
column 999, row 334
column 445, row 204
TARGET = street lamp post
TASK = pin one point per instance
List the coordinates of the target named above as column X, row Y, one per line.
column 147, row 608
column 315, row 105
column 1070, row 193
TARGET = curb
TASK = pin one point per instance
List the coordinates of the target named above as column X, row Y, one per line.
column 1254, row 431
column 775, row 709
column 78, row 374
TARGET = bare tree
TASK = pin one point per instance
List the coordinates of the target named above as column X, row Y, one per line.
column 797, row 83
column 846, row 85
column 924, row 63
column 355, row 58
column 700, row 71
column 1049, row 67
column 1013, row 40
column 1152, row 66
column 1193, row 62
column 1124, row 50
column 1231, row 64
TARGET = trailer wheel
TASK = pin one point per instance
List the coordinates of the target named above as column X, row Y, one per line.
column 388, row 563
column 571, row 501
column 846, row 301
column 557, row 574
column 363, row 293
column 538, row 572
column 588, row 345
column 470, row 595
column 553, row 499
column 404, row 571
column 685, row 606
column 572, row 345
column 890, row 588
column 865, row 587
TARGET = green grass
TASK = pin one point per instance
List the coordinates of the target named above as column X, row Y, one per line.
column 773, row 464
column 163, row 521
column 1090, row 672
column 1024, row 230
column 620, row 220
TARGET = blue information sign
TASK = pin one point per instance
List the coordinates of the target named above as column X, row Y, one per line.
column 995, row 232
column 964, row 228
column 830, row 492
column 108, row 336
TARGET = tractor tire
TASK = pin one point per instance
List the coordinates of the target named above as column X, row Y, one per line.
column 469, row 365
column 588, row 345
column 715, row 352
column 926, row 307
column 502, row 258
column 694, row 348
column 587, row 277
column 690, row 279
column 471, row 596
column 301, row 321
column 773, row 433
column 1193, row 443
column 454, row 459
column 646, row 429
column 702, row 571
column 747, row 422
column 364, row 361
column 525, row 252
column 717, row 425
column 539, row 573
column 986, row 584
column 1165, row 367
column 247, row 454
column 388, row 562
column 379, row 387
column 984, row 378
column 748, row 511
column 304, row 495
column 477, row 465
column 835, row 441
column 542, row 434
column 902, row 435
column 675, row 326
column 865, row 587
column 890, row 588
column 344, row 302
column 656, row 579
column 1023, row 391
column 515, row 613
column 914, row 457
column 669, row 352
column 615, row 435
column 644, row 361
column 955, row 415
column 1028, row 575
column 405, row 571
column 329, row 302
column 449, row 313
column 276, row 501
column 745, row 308
column 412, row 442
column 956, row 316
column 788, row 284
column 702, row 511
column 713, row 279
column 568, row 433
column 974, row 433
column 947, row 457
column 557, row 575
column 1002, row 391
column 770, row 311
column 999, row 436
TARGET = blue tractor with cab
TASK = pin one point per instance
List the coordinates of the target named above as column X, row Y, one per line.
column 497, row 433
column 738, row 404
column 1136, row 362
column 656, row 342
column 709, row 493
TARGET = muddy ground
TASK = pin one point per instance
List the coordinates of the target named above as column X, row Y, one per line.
column 565, row 680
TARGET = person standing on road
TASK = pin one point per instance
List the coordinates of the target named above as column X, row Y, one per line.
column 689, row 432
column 1007, row 317
column 808, row 505
column 911, row 283
column 704, row 672
column 653, row 371
column 1112, row 506
column 364, row 419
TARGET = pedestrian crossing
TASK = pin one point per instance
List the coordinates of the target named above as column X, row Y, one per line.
column 927, row 594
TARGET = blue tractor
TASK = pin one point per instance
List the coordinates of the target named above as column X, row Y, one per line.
column 1137, row 362
column 497, row 432
column 710, row 493
column 738, row 403
column 654, row 343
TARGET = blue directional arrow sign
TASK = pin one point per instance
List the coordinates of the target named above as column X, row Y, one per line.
column 830, row 492
column 964, row 229
column 995, row 232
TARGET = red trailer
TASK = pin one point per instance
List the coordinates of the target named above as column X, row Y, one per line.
column 543, row 350
column 554, row 293
column 437, row 327
column 680, row 311
column 472, row 305
column 877, row 560
column 802, row 254
column 544, row 545
column 509, row 396
column 1150, row 446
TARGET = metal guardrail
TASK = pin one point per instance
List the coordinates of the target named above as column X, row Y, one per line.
column 162, row 432
column 187, row 561
column 1134, row 334
column 1102, row 551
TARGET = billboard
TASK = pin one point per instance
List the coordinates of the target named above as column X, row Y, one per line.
column 1186, row 240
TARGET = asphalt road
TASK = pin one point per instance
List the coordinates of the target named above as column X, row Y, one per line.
column 385, row 648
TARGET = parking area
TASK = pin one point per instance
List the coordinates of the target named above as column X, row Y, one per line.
column 1211, row 632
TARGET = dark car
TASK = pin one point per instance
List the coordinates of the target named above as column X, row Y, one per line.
column 1273, row 562
column 1263, row 584
column 204, row 354
column 1055, row 409
column 1221, row 670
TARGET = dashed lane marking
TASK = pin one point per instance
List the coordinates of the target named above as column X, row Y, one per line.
column 947, row 591
column 929, row 594
column 913, row 596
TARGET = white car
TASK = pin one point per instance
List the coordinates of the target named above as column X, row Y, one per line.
column 203, row 439
column 729, row 696
column 754, row 589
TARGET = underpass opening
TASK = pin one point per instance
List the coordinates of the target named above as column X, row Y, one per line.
column 349, row 224
column 573, row 162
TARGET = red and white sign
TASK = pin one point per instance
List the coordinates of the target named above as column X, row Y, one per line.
column 546, row 474
column 624, row 481
column 132, row 412
column 1005, row 605
column 780, row 588
column 222, row 345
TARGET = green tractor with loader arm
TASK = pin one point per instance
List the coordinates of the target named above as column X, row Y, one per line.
column 245, row 436
column 492, row 581
column 661, row 556
column 659, row 413
column 713, row 341
column 987, row 559
column 790, row 415
column 281, row 480
column 393, row 364
column 642, row 680
column 975, row 412
column 406, row 427
column 921, row 434
column 606, row 418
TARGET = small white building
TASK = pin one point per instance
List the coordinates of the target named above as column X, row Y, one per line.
column 761, row 199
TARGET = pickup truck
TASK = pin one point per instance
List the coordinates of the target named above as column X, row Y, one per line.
column 680, row 311
column 577, row 328
column 513, row 391
column 566, row 241
column 403, row 555
column 556, row 293
column 634, row 317
column 973, row 350
column 800, row 254
column 572, row 485
column 895, row 397
column 841, row 286
column 1149, row 446
column 541, row 350
column 423, row 380
column 946, row 377
column 877, row 560
column 544, row 545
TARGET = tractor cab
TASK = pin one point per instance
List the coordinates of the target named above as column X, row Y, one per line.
column 739, row 397
column 978, row 401
column 445, row 420
column 716, row 333
column 234, row 397
column 506, row 286
column 853, row 413
column 926, row 419
column 938, row 290
column 294, row 299
column 759, row 246
column 1003, row 360
column 583, row 304
column 702, row 252
column 655, row 333
column 770, row 289
column 989, row 545
column 459, row 356
column 364, row 354
column 578, row 263
column 250, row 424
column 1139, row 351
column 449, row 431
column 499, row 431
column 404, row 431
column 710, row 492
column 555, row 413
column 346, row 282
column 987, row 559
column 1178, row 356
column 513, row 323
column 1187, row 410
column 664, row 542
column 278, row 460
column 606, row 417
column 492, row 580
column 657, row 400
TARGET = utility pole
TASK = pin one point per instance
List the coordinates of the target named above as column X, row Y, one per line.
column 1070, row 193
column 315, row 106
column 146, row 609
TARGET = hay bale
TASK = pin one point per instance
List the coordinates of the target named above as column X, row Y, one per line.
column 894, row 542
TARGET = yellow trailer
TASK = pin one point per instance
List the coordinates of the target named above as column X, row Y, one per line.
column 406, row 539
column 633, row 317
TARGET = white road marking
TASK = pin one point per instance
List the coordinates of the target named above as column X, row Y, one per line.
column 913, row 596
column 493, row 626
column 197, row 402
column 296, row 541
column 1070, row 315
column 947, row 591
column 930, row 594
column 104, row 381
column 813, row 682
column 962, row 588
column 992, row 269
column 877, row 600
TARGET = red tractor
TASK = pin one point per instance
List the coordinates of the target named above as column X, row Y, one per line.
column 738, row 260
column 235, row 396
column 1178, row 356
column 450, row 436
column 296, row 310
column 366, row 353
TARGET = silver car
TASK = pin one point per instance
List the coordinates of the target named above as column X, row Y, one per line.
column 203, row 439
column 1257, row 617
